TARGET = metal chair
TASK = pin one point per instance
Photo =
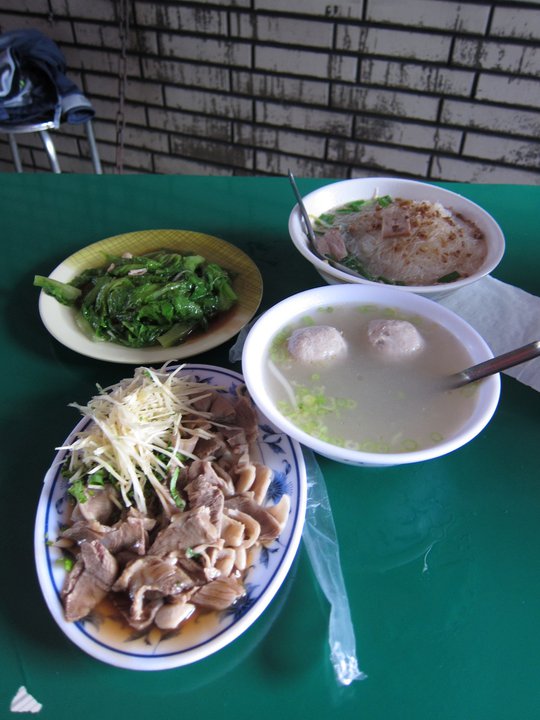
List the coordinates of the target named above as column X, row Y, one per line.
column 37, row 96
column 43, row 130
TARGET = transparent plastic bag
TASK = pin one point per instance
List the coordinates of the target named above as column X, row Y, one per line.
column 321, row 543
column 235, row 353
column 320, row 539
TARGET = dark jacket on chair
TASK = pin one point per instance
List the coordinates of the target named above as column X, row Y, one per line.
column 34, row 87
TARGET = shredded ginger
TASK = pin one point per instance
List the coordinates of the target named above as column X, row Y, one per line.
column 136, row 434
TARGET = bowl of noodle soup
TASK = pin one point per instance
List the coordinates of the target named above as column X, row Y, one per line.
column 409, row 234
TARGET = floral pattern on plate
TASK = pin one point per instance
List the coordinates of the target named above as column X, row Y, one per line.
column 144, row 651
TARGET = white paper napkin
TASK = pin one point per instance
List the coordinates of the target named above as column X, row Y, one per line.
column 506, row 317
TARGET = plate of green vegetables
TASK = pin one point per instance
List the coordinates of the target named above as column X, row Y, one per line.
column 150, row 296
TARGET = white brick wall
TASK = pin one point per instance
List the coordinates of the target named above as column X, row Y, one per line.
column 510, row 91
column 310, row 146
column 523, row 24
column 364, row 155
column 304, row 62
column 436, row 89
column 203, row 149
column 291, row 116
column 493, row 118
column 187, row 74
column 290, row 31
column 494, row 55
column 179, row 17
column 417, row 76
column 208, row 103
column 513, row 152
column 319, row 8
column 408, row 135
column 467, row 170
column 279, row 163
column 280, row 87
column 100, row 10
column 387, row 103
column 190, row 124
column 406, row 43
column 454, row 16
column 221, row 52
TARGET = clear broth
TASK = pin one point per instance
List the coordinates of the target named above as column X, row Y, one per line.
column 363, row 401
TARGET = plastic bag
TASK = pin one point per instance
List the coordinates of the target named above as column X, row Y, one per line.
column 321, row 543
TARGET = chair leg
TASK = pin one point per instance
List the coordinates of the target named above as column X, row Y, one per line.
column 93, row 148
column 51, row 150
column 15, row 153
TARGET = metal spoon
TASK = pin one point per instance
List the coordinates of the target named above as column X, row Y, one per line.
column 495, row 365
column 310, row 234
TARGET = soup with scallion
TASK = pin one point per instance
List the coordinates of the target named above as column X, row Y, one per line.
column 368, row 378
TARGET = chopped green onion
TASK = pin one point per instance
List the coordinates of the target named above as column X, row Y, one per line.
column 326, row 218
column 78, row 490
column 178, row 500
column 409, row 444
column 98, row 477
column 450, row 277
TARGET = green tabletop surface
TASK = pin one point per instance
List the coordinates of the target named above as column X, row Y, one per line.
column 441, row 559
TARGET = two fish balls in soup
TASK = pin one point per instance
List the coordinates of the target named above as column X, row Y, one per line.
column 367, row 380
column 393, row 339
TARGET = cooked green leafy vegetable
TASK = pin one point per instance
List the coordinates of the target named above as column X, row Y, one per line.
column 450, row 277
column 140, row 301
column 65, row 294
column 354, row 263
column 326, row 220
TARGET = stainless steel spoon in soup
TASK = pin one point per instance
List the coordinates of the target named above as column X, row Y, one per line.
column 494, row 365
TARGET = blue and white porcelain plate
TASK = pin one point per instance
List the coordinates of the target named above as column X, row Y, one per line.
column 274, row 449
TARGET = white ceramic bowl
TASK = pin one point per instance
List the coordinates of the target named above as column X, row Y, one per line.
column 259, row 339
column 338, row 193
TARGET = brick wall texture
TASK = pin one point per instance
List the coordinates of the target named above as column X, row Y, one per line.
column 432, row 89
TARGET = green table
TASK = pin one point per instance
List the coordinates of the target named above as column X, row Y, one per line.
column 441, row 560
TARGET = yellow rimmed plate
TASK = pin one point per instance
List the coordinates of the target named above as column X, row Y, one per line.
column 61, row 322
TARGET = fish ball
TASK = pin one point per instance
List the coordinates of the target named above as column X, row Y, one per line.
column 316, row 344
column 394, row 339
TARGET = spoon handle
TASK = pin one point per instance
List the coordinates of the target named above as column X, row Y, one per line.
column 310, row 233
column 497, row 364
column 309, row 229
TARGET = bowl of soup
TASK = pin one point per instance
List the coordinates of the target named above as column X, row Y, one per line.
column 360, row 374
column 409, row 234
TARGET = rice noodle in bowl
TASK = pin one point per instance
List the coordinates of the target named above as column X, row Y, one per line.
column 406, row 242
column 418, row 237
